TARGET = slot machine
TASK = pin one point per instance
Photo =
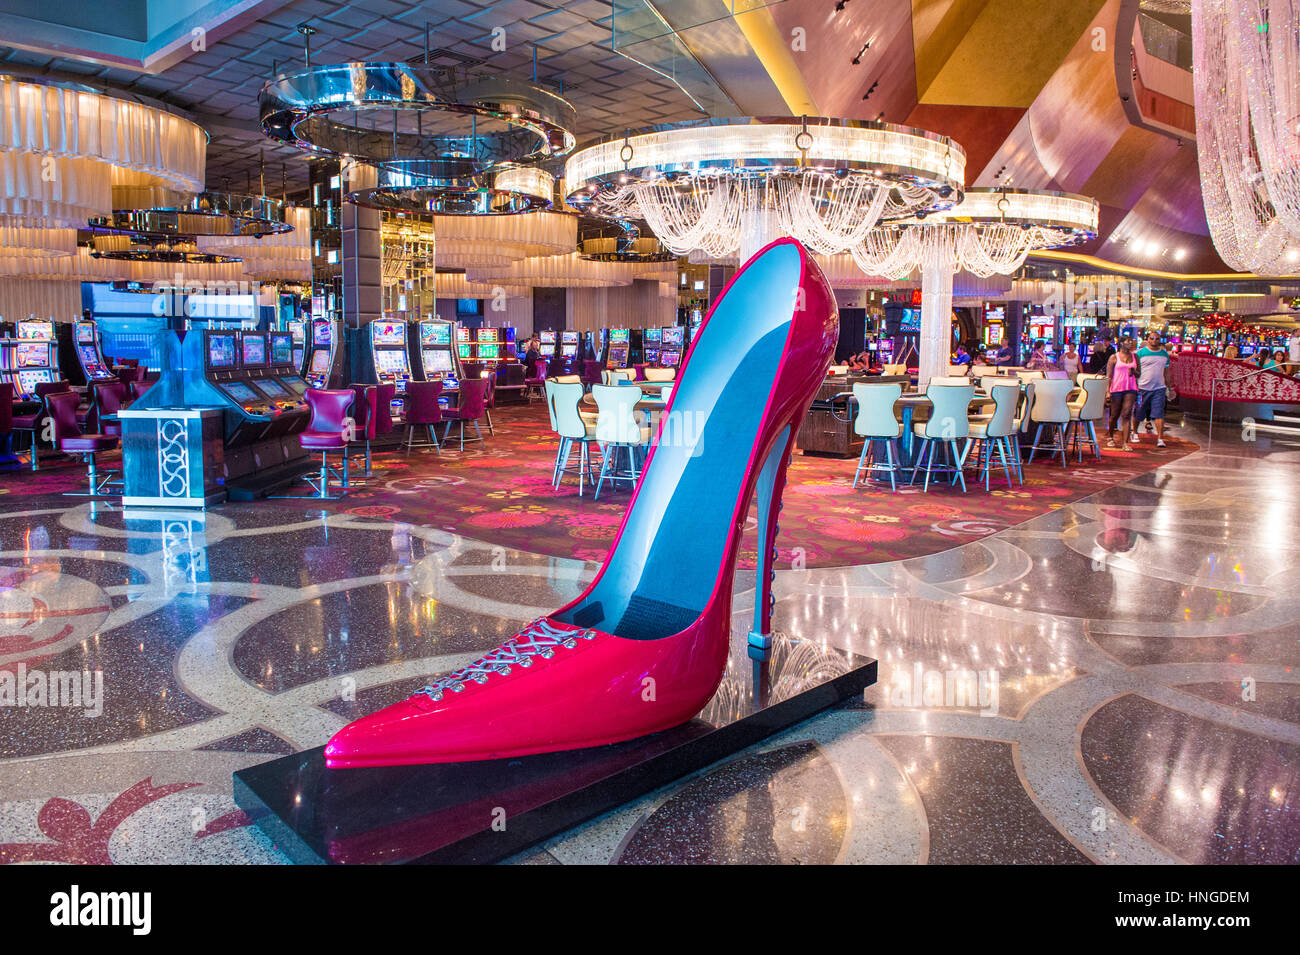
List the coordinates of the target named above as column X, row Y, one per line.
column 487, row 345
column 438, row 360
column 392, row 362
column 673, row 340
column 509, row 347
column 696, row 320
column 285, row 382
column 89, row 354
column 298, row 334
column 464, row 347
column 569, row 349
column 34, row 359
column 652, row 339
column 547, row 339
column 324, row 367
column 616, row 354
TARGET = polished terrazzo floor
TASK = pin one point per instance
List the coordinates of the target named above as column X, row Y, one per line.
column 1131, row 660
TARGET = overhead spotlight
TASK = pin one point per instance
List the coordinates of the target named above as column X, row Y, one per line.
column 1180, row 255
column 841, row 5
column 1292, row 255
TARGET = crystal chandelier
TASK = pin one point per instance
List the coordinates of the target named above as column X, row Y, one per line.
column 1246, row 78
column 991, row 232
column 729, row 186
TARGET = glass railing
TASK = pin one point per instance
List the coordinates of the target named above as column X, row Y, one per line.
column 1165, row 42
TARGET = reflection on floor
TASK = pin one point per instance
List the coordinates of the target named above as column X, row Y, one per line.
column 1112, row 681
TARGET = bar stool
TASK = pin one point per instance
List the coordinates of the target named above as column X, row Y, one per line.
column 1048, row 408
column 875, row 421
column 108, row 399
column 70, row 439
column 7, row 459
column 383, row 409
column 948, row 423
column 571, row 425
column 490, row 401
column 470, row 405
column 995, row 432
column 535, row 383
column 328, row 430
column 1084, row 414
column 617, row 428
column 423, row 410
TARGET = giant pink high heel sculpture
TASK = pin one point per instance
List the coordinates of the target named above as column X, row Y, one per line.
column 644, row 648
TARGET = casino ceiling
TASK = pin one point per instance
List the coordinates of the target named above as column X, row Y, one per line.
column 1086, row 96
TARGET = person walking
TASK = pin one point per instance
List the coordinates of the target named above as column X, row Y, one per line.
column 1153, row 386
column 1122, row 372
column 1071, row 363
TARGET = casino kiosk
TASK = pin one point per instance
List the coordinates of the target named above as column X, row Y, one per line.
column 248, row 450
column 324, row 368
column 265, row 357
column 438, row 360
column 89, row 354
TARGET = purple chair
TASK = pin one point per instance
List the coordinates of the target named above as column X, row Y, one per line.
column 70, row 439
column 109, row 398
column 470, row 405
column 7, row 425
column 640, row 372
column 384, row 395
column 423, row 410
column 591, row 370
column 33, row 421
column 363, row 417
column 138, row 388
column 328, row 431
column 535, row 383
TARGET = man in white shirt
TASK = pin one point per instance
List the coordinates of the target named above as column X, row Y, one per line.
column 1153, row 382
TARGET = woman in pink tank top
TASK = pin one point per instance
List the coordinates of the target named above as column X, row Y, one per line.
column 1122, row 372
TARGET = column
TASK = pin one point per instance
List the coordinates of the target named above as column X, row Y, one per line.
column 936, row 323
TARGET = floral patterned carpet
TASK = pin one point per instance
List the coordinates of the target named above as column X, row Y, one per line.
column 501, row 493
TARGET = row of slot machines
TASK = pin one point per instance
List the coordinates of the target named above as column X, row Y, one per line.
column 395, row 352
column 652, row 346
column 37, row 351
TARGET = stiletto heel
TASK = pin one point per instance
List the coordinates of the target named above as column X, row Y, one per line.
column 644, row 647
column 771, row 485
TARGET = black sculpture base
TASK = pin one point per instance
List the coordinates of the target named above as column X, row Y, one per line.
column 483, row 812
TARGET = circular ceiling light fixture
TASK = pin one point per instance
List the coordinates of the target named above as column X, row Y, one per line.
column 427, row 116
column 452, row 187
column 729, row 186
column 992, row 231
column 140, row 248
column 162, row 213
column 617, row 240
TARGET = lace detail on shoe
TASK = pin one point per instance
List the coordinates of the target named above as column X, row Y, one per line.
column 539, row 639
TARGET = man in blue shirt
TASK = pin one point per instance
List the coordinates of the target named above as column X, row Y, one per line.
column 1153, row 384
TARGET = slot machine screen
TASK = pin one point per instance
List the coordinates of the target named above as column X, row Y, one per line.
column 296, row 384
column 673, row 336
column 570, row 338
column 221, row 351
column 241, row 392
column 29, row 355
column 487, row 335
column 85, row 333
column 618, row 336
column 652, row 355
column 272, row 388
column 281, row 349
column 548, row 339
column 388, row 333
column 36, row 331
column 29, row 379
column 393, row 362
column 490, row 352
column 254, row 351
column 652, row 335
column 90, row 360
column 670, row 357
column 322, row 333
column 435, row 333
column 462, row 334
column 911, row 320
column 463, row 350
column 320, row 362
column 437, row 361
